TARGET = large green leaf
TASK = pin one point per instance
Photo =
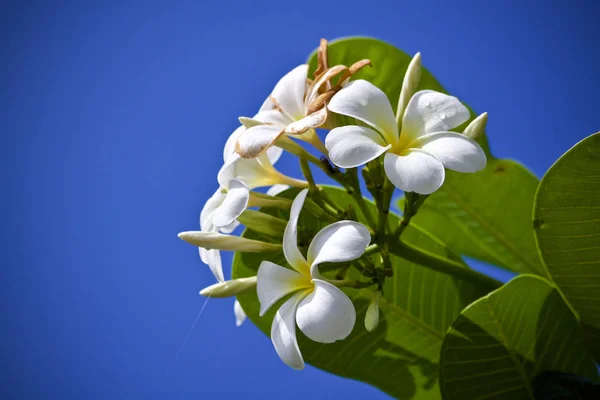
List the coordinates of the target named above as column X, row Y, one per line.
column 484, row 215
column 487, row 215
column 401, row 356
column 567, row 227
column 502, row 341
column 388, row 67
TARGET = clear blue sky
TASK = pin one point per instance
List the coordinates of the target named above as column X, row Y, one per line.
column 113, row 117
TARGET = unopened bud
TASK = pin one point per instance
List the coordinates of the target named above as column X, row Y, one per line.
column 229, row 288
column 477, row 127
column 372, row 315
column 219, row 241
column 409, row 85
column 263, row 223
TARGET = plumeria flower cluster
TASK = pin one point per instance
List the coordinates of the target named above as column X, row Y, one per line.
column 413, row 145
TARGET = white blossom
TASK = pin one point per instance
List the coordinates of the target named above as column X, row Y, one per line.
column 415, row 157
column 321, row 310
column 295, row 107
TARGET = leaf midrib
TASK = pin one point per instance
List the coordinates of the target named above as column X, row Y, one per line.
column 447, row 188
column 516, row 362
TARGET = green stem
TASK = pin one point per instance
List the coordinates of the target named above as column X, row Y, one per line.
column 412, row 203
column 384, row 206
column 372, row 249
column 353, row 188
column 349, row 283
column 444, row 265
column 313, row 138
column 294, row 148
column 318, row 195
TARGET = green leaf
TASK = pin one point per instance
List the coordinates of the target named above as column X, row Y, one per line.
column 502, row 341
column 401, row 357
column 487, row 215
column 567, row 228
column 387, row 71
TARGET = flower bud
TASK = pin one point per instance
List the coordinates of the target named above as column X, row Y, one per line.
column 372, row 315
column 229, row 288
column 409, row 85
column 263, row 223
column 213, row 240
column 477, row 127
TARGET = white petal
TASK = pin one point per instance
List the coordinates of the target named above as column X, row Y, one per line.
column 338, row 242
column 273, row 117
column 457, row 152
column 203, row 255
column 212, row 258
column 430, row 111
column 267, row 105
column 351, row 146
column 366, row 102
column 290, row 236
column 254, row 172
column 229, row 149
column 276, row 189
column 417, row 171
column 256, row 140
column 209, row 208
column 273, row 154
column 240, row 315
column 236, row 201
column 230, row 228
column 311, row 121
column 283, row 333
column 289, row 92
column 327, row 314
column 273, row 282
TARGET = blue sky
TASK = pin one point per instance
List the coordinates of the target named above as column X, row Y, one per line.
column 114, row 115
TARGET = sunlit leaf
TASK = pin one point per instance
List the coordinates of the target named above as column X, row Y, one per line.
column 487, row 215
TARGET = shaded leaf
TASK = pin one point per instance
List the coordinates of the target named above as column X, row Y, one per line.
column 567, row 228
column 501, row 342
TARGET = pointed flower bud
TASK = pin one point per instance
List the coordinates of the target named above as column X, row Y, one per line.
column 477, row 127
column 213, row 240
column 372, row 315
column 229, row 288
column 263, row 223
column 409, row 85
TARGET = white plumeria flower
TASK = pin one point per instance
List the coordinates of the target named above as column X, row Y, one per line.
column 293, row 108
column 214, row 206
column 322, row 311
column 284, row 111
column 236, row 178
column 416, row 157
